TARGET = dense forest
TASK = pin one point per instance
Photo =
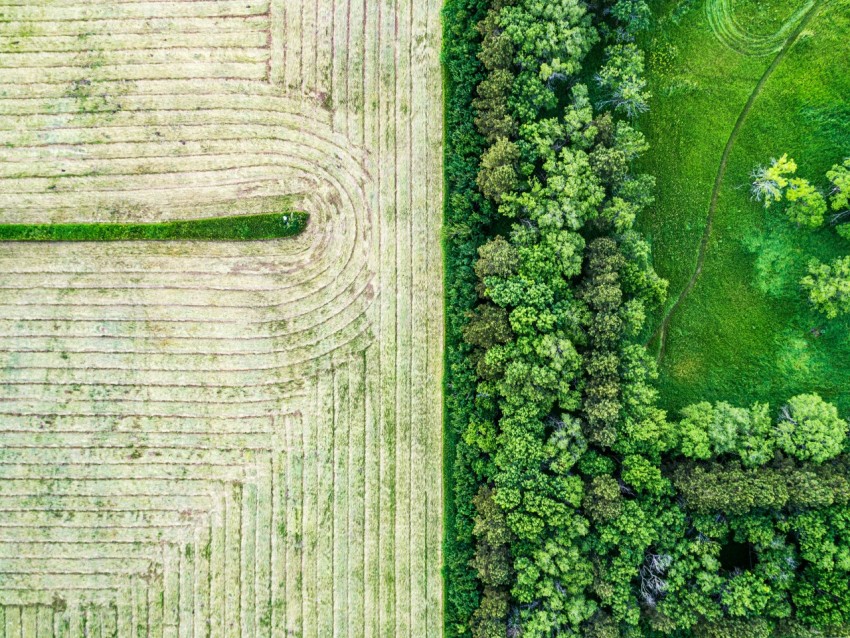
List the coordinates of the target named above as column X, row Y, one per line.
column 579, row 507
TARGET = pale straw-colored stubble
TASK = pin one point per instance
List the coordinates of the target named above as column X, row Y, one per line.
column 222, row 439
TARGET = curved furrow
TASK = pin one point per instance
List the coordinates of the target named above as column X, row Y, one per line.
column 240, row 421
column 729, row 30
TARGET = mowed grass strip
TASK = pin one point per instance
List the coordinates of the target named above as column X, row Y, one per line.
column 235, row 228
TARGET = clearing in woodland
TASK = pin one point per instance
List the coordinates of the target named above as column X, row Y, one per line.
column 736, row 82
column 223, row 439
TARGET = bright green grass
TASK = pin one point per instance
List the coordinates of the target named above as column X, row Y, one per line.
column 745, row 332
column 763, row 17
column 234, row 228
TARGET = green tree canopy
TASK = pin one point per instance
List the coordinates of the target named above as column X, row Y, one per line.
column 828, row 286
column 769, row 182
column 806, row 205
column 809, row 428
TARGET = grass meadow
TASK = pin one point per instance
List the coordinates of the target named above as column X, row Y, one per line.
column 736, row 82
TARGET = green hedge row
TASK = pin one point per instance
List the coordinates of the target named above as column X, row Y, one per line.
column 466, row 214
column 235, row 228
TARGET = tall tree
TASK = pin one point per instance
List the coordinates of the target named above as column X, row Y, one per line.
column 828, row 286
column 806, row 205
column 622, row 79
column 839, row 176
column 809, row 428
column 769, row 182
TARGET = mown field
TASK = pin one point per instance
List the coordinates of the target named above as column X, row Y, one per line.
column 735, row 83
column 224, row 439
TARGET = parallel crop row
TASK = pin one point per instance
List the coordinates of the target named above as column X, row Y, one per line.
column 221, row 438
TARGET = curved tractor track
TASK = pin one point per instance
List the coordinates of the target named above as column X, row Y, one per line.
column 230, row 439
column 729, row 30
column 713, row 10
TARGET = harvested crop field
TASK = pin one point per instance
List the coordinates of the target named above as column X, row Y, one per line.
column 222, row 439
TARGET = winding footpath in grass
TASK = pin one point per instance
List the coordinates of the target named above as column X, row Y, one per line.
column 662, row 330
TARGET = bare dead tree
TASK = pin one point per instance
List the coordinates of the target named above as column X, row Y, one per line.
column 652, row 583
column 786, row 415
